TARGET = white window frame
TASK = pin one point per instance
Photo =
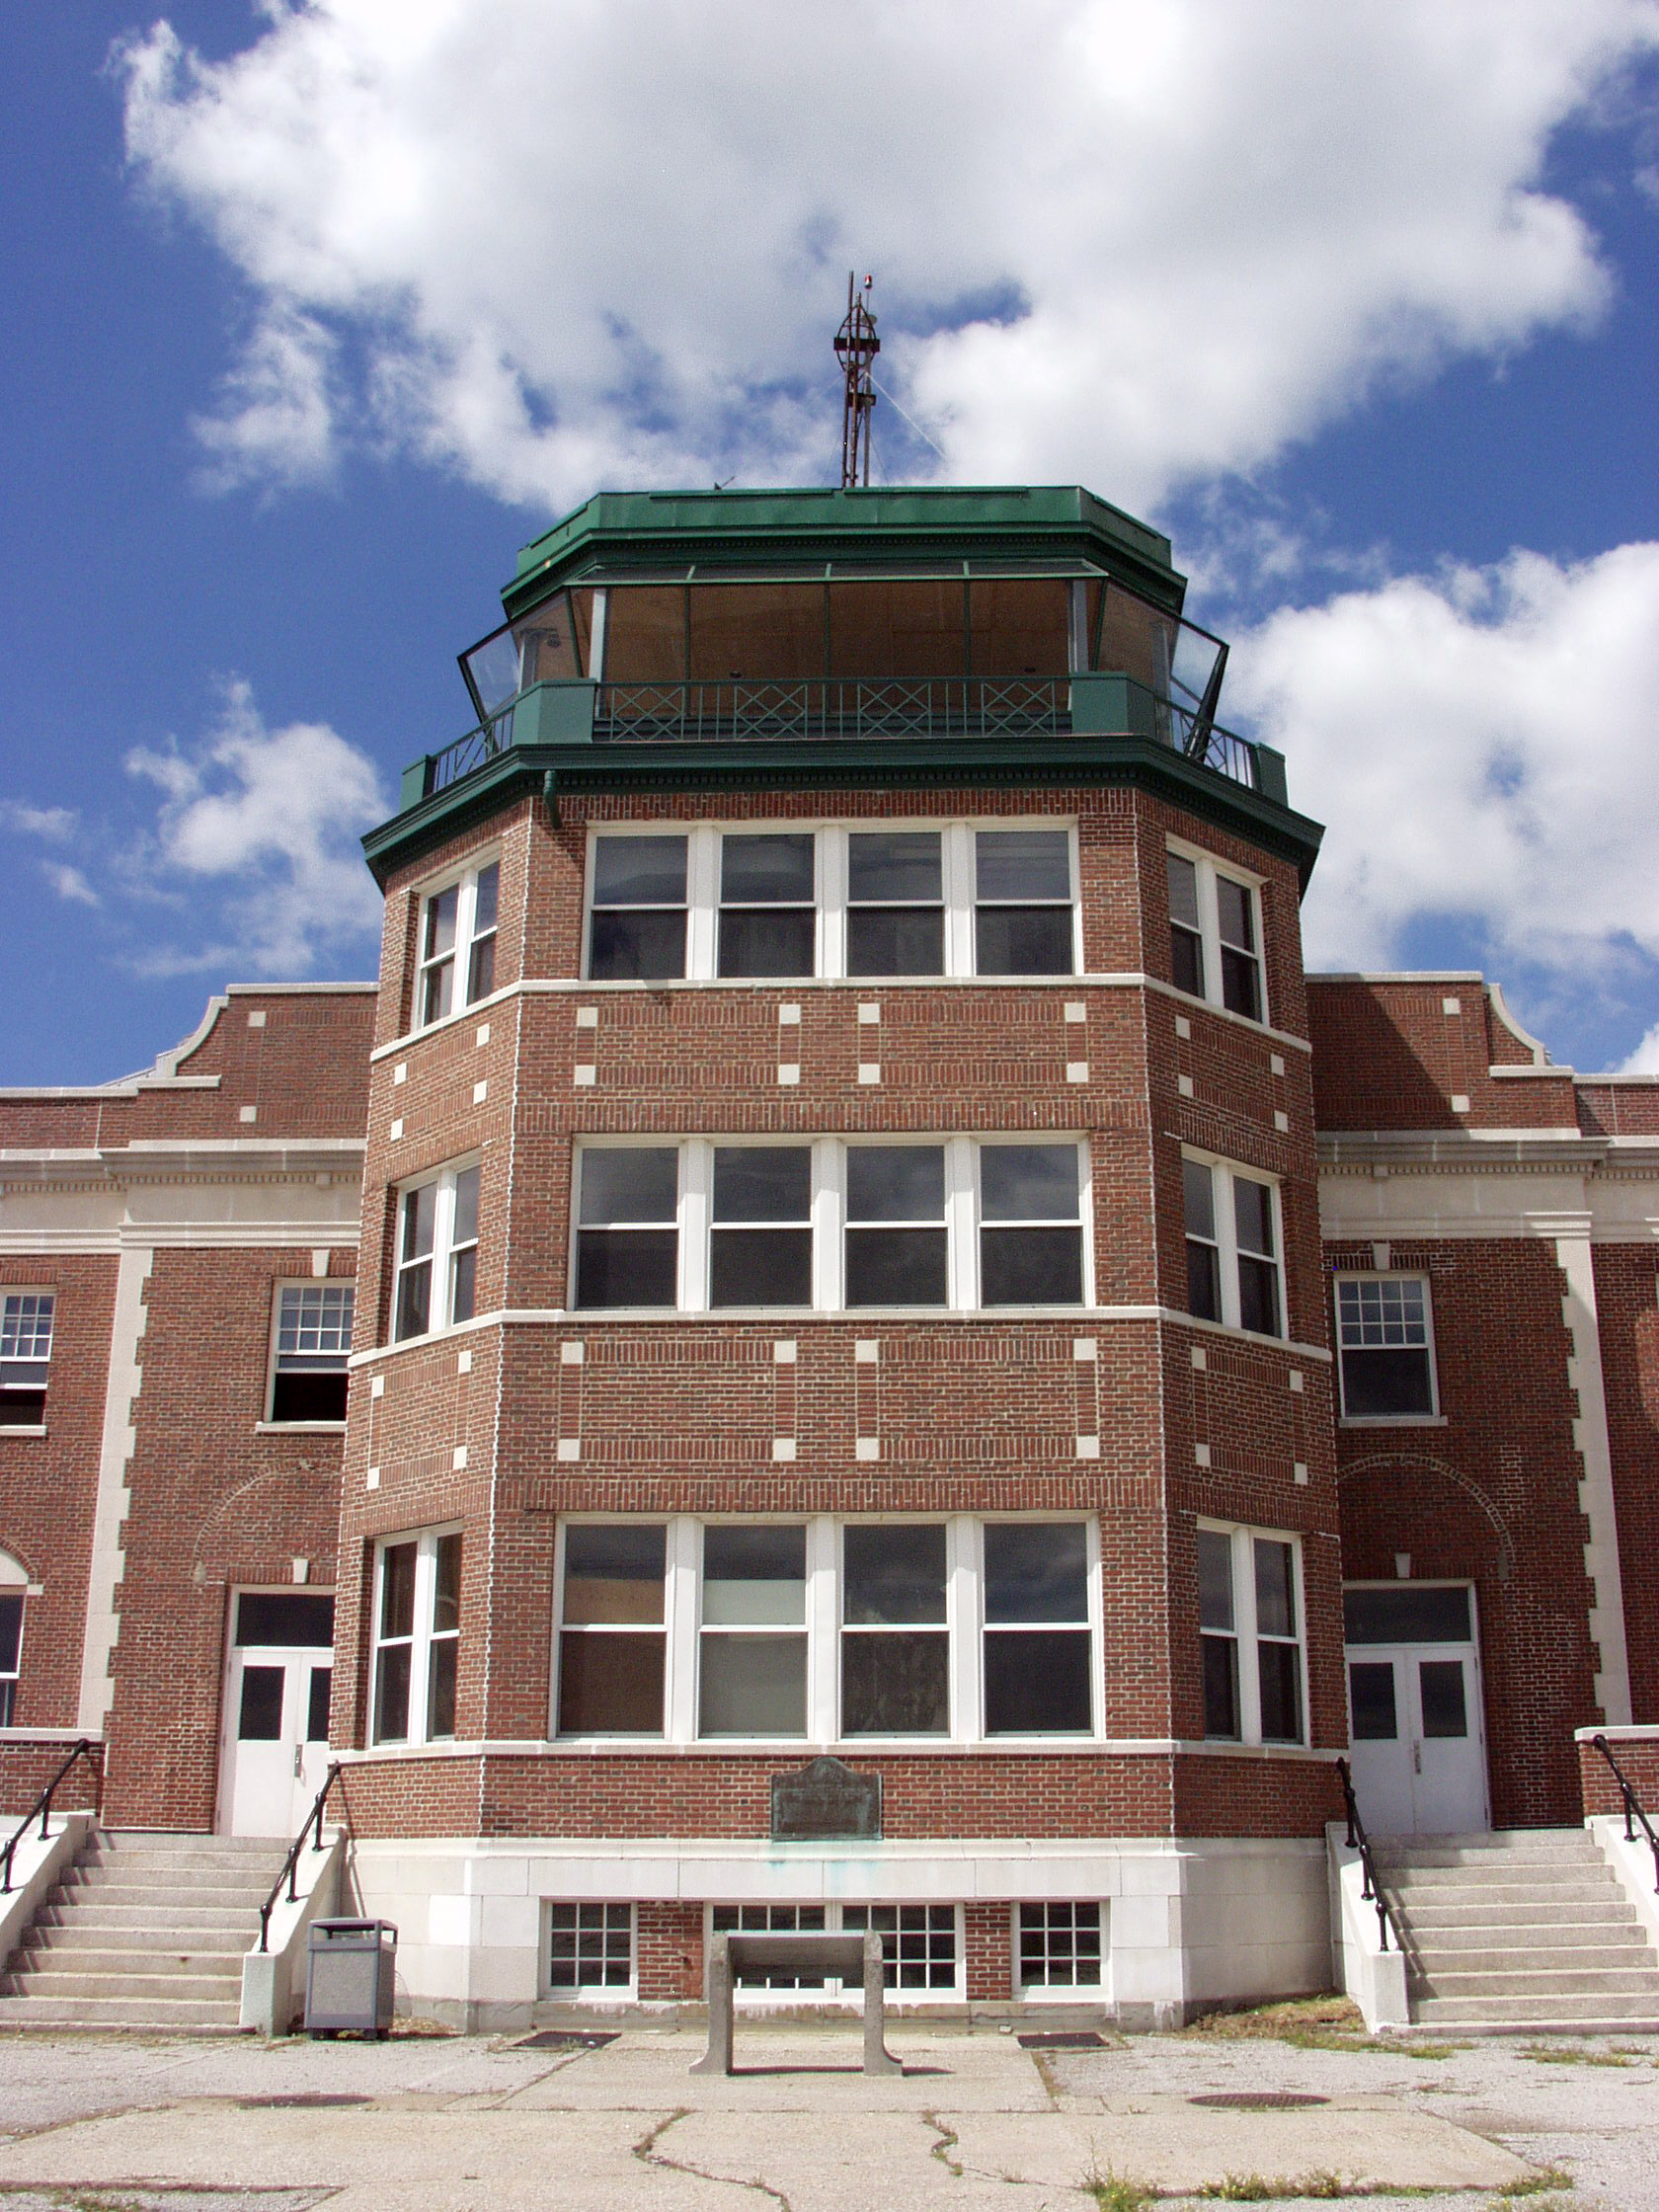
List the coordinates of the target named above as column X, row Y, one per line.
column 837, row 1992
column 1245, row 1631
column 1209, row 868
column 739, row 1629
column 1390, row 1275
column 281, row 1289
column 680, row 1568
column 443, row 1250
column 14, row 1584
column 1094, row 1619
column 463, row 882
column 694, row 1217
column 1074, row 1990
column 830, row 876
column 1222, row 1172
column 588, row 1993
column 21, row 1373
column 1025, row 1139
column 423, row 1635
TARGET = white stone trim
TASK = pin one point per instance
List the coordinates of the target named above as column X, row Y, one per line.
column 1595, row 1492
column 108, row 1562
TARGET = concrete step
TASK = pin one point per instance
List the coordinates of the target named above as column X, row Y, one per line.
column 126, row 1987
column 65, row 1939
column 1524, row 1982
column 1634, row 2016
column 1526, row 1918
column 1543, row 1846
column 57, row 1958
column 158, row 1895
column 163, row 2016
column 194, row 1919
column 1502, row 1890
column 1558, row 1969
column 1568, row 1946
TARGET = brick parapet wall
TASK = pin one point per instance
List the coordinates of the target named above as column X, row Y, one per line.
column 1637, row 1755
column 1388, row 1056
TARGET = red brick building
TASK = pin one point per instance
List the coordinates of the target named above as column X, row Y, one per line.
column 843, row 1235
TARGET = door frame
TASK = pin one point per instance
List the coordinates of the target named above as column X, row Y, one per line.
column 1412, row 1650
column 224, row 1773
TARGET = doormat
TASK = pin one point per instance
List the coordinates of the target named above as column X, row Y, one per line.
column 567, row 2039
column 1063, row 2039
column 1258, row 2100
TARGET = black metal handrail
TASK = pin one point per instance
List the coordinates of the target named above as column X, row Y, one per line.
column 89, row 1749
column 1371, row 1886
column 290, row 1864
column 1633, row 1806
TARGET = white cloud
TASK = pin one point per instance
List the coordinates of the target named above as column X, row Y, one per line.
column 255, row 841
column 1479, row 744
column 1645, row 1061
column 69, row 883
column 52, row 823
column 607, row 243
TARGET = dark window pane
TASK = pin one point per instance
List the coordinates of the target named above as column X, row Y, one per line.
column 1253, row 1204
column 22, row 1409
column 1198, row 1191
column 278, row 1616
column 767, row 941
column 446, row 1583
column 1183, row 891
column 1408, row 1613
column 894, row 864
column 639, row 872
column 1037, row 1683
column 1276, row 1610
column 1204, row 1280
column 757, row 1553
column 628, row 1183
column 487, row 898
column 1371, row 1694
column 261, row 1719
column 895, row 1684
column 896, row 1267
column 441, row 1686
column 397, row 1589
column 414, row 1308
column 613, row 1571
column 1234, row 908
column 1017, row 626
column 761, row 1267
column 644, row 945
column 1221, row 1686
column 896, row 1183
column 1214, row 1579
column 1440, row 1684
column 11, row 1630
column 1240, row 984
column 1186, row 955
column 1036, row 1570
column 465, row 1231
column 767, row 870
column 752, row 1686
column 1022, row 864
column 1281, row 1692
column 481, row 971
column 895, row 941
column 436, row 990
column 1023, row 941
column 610, row 1685
column 894, row 1571
column 1258, row 1296
column 309, row 1396
column 391, row 1695
column 1382, row 1382
column 627, row 1267
column 317, row 1706
column 440, row 922
column 1031, row 1267
column 763, row 1183
column 463, row 1285
column 419, row 1219
column 1028, row 1182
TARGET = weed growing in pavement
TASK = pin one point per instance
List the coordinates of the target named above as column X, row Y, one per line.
column 1254, row 2188
column 1563, row 2054
column 1115, row 2192
column 1309, row 2024
column 1537, row 2184
column 1432, row 2050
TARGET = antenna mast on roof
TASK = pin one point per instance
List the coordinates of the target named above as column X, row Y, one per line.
column 856, row 347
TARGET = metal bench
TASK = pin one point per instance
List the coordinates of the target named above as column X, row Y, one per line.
column 845, row 1956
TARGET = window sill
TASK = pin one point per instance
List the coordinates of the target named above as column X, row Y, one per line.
column 1393, row 1421
column 299, row 1428
column 21, row 1428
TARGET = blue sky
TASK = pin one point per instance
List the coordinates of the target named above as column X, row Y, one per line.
column 316, row 314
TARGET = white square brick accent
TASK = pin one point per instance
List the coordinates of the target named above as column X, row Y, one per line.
column 1088, row 1448
column 250, row 1113
column 483, row 1033
column 571, row 1355
column 869, row 1072
column 1460, row 1102
column 459, row 1461
column 783, row 1351
column 1281, row 1122
column 480, row 1092
column 1184, row 1085
column 377, row 1388
column 256, row 1019
column 400, row 1074
column 1198, row 1360
column 1295, row 1380
column 870, row 1011
column 586, row 1078
column 1300, row 1472
column 1450, row 1006
column 397, row 1129
column 867, row 1351
column 1183, row 1027
column 1201, row 1455
column 463, row 1362
column 1075, row 1010
column 587, row 1017
column 1076, row 1070
column 1085, row 1348
column 371, row 1481
column 569, row 1448
column 783, row 1448
column 791, row 1016
column 789, row 1071
column 867, row 1448
column 1277, row 1064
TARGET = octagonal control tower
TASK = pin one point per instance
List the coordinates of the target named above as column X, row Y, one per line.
column 840, row 1427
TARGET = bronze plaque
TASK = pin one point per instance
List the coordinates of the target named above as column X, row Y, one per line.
column 825, row 1802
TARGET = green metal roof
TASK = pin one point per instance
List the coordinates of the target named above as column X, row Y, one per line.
column 761, row 530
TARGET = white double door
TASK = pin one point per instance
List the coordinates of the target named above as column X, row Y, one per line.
column 274, row 1741
column 1418, row 1751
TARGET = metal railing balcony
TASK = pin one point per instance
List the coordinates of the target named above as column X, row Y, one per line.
column 576, row 710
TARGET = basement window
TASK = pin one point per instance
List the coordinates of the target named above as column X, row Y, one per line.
column 589, row 1948
column 312, row 1345
column 26, row 1341
column 1058, row 1946
column 1385, row 1347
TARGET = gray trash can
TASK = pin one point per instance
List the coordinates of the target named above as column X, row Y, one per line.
column 349, row 1975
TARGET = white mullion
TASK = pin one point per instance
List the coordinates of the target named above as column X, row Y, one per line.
column 823, row 1622
column 964, row 1619
column 680, row 1718
column 596, row 636
column 962, row 1249
column 832, row 896
column 420, row 1639
column 828, row 1205
column 1299, row 1595
column 560, row 1529
column 1097, row 1609
column 957, row 856
column 1085, row 1215
column 1244, row 1620
column 1074, row 862
column 1210, row 928
column 696, row 1210
column 1276, row 1216
column 466, row 915
column 443, row 1231
column 1226, row 1239
column 702, row 899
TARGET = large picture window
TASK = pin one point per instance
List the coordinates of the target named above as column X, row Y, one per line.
column 894, row 1637
column 1251, row 1635
column 417, row 1638
column 436, row 1253
column 612, row 1629
column 1385, row 1347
